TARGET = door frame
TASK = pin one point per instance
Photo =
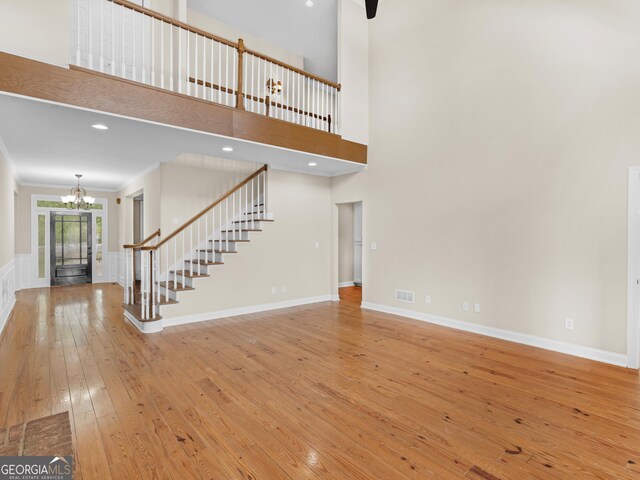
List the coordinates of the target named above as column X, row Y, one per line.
column 52, row 255
column 37, row 281
column 335, row 232
column 633, row 270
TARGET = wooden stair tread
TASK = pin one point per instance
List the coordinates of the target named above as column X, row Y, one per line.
column 210, row 250
column 231, row 241
column 188, row 274
column 254, row 220
column 242, row 230
column 204, row 262
column 176, row 288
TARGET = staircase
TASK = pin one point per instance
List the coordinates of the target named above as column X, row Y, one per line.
column 174, row 264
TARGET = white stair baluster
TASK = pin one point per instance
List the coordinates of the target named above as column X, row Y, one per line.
column 144, row 63
column 113, row 38
column 171, row 84
column 219, row 72
column 90, row 33
column 226, row 216
column 184, row 258
column 162, row 28
column 180, row 53
column 133, row 45
column 188, row 64
column 102, row 36
column 195, row 61
column 211, row 73
column 123, row 72
column 204, row 67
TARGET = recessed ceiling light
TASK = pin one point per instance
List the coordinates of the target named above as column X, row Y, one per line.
column 100, row 126
column 309, row 3
column 227, row 149
column 312, row 164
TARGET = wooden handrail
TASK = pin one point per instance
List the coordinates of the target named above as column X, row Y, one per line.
column 292, row 68
column 196, row 217
column 174, row 22
column 145, row 241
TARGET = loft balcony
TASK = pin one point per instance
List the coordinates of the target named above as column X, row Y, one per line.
column 134, row 62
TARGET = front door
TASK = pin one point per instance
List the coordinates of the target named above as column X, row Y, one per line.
column 70, row 248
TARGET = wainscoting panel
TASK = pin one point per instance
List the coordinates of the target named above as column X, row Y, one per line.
column 7, row 292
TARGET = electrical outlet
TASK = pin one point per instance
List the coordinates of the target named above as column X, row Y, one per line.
column 568, row 323
column 476, row 308
column 465, row 306
column 274, row 290
column 427, row 299
column 284, row 289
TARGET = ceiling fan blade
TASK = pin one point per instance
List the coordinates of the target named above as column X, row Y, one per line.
column 372, row 7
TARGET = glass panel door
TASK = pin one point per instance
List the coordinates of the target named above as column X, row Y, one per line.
column 70, row 248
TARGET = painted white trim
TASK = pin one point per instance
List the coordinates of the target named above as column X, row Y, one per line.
column 335, row 298
column 233, row 312
column 633, row 270
column 33, row 281
column 23, row 267
column 7, row 292
column 604, row 356
column 121, row 267
column 64, row 187
column 144, row 327
column 346, row 284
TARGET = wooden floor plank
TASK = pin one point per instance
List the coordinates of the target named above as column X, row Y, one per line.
column 324, row 391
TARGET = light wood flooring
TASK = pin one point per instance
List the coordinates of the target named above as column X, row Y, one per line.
column 321, row 391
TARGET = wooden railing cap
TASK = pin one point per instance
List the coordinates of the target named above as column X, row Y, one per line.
column 137, row 246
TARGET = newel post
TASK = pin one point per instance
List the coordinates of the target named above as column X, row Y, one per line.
column 240, row 92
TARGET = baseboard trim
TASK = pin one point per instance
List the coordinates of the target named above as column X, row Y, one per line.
column 346, row 284
column 603, row 356
column 234, row 312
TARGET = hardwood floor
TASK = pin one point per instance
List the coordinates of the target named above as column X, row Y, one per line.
column 351, row 295
column 320, row 391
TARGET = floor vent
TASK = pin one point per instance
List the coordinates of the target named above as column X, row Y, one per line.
column 405, row 296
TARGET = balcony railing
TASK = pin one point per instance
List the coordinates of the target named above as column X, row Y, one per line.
column 123, row 39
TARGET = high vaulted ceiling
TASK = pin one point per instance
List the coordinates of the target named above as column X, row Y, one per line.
column 311, row 32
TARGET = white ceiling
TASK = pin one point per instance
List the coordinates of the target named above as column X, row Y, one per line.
column 311, row 32
column 48, row 143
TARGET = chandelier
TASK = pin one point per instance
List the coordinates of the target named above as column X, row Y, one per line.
column 78, row 199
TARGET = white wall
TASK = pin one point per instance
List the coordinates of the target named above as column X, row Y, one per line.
column 345, row 243
column 501, row 134
column 353, row 71
column 38, row 29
